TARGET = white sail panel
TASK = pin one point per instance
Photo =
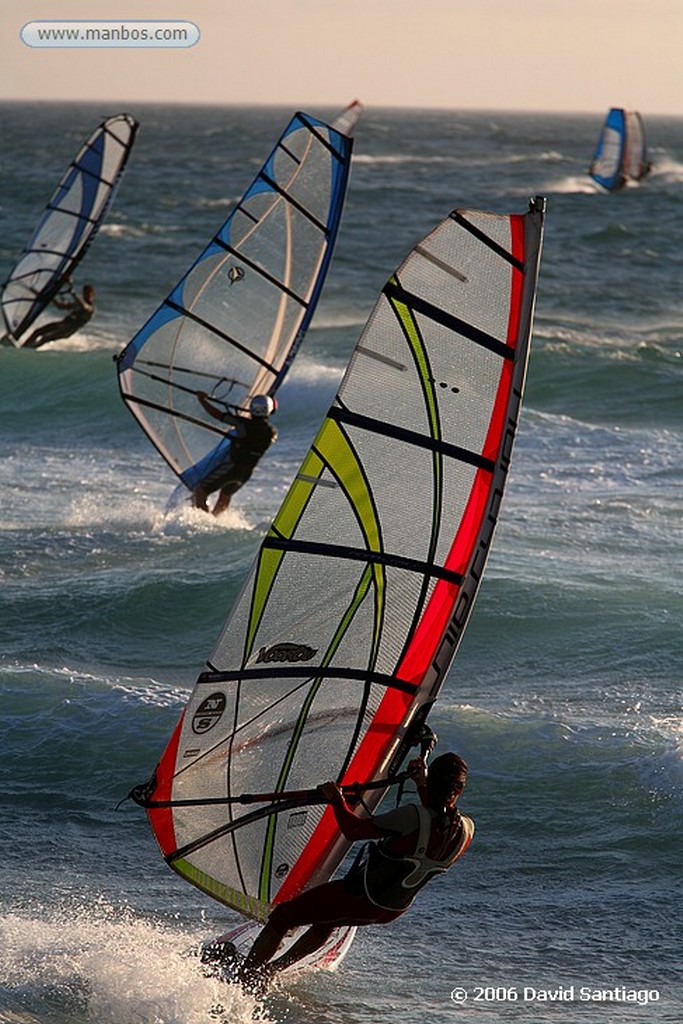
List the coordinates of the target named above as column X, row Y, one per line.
column 234, row 322
column 353, row 611
column 636, row 164
column 68, row 224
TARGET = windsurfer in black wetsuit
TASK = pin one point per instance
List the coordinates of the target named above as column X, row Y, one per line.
column 250, row 438
column 81, row 310
column 413, row 843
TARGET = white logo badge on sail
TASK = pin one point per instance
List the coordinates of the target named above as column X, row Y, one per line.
column 208, row 713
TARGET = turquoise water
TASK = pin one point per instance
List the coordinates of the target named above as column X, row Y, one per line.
column 565, row 696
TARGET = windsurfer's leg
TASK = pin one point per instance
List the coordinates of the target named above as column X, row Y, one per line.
column 199, row 496
column 316, row 936
column 37, row 339
column 266, row 945
column 323, row 908
column 229, row 486
column 49, row 332
column 223, row 502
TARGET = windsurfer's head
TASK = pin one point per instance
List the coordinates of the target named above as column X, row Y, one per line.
column 262, row 405
column 446, row 779
column 88, row 292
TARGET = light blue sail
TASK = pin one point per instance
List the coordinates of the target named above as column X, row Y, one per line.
column 621, row 153
column 234, row 322
column 606, row 166
column 68, row 225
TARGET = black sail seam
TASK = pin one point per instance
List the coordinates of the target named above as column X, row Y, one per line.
column 309, row 672
column 453, row 323
column 257, row 269
column 487, row 240
column 293, row 202
column 411, row 437
column 67, row 213
column 220, row 334
column 364, row 555
column 321, row 138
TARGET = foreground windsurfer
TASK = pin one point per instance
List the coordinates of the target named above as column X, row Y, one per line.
column 81, row 310
column 251, row 436
column 412, row 844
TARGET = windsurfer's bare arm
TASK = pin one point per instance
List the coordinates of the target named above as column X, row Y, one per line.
column 218, row 414
column 351, row 826
column 418, row 773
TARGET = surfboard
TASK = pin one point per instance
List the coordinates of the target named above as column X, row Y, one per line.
column 223, row 961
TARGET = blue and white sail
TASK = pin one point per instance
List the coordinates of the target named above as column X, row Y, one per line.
column 621, row 153
column 68, row 225
column 234, row 322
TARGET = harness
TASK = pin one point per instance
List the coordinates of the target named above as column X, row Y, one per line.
column 393, row 882
column 257, row 440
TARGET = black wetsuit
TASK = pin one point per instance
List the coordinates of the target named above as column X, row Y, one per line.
column 246, row 448
column 77, row 317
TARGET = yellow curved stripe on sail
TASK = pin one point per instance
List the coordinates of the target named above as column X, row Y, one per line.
column 331, row 448
column 355, row 604
column 419, row 352
column 247, row 905
column 284, row 525
column 335, row 450
column 417, row 347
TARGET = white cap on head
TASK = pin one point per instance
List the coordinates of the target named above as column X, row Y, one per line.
column 262, row 405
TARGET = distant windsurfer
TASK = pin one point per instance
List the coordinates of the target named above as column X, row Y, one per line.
column 251, row 436
column 411, row 845
column 81, row 310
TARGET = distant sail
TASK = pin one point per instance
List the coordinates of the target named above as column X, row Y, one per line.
column 621, row 153
column 235, row 321
column 636, row 163
column 352, row 614
column 69, row 224
column 348, row 119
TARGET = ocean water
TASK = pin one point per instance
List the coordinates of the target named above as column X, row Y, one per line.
column 565, row 695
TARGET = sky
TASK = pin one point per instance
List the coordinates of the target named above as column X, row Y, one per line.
column 545, row 55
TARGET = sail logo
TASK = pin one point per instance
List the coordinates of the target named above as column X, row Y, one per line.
column 285, row 652
column 209, row 713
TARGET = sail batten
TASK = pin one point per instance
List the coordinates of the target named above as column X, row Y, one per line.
column 410, row 437
column 393, row 290
column 259, row 270
column 384, row 558
column 346, row 627
column 487, row 240
column 68, row 225
column 240, row 313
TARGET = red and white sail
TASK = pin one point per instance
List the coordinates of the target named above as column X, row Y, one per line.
column 352, row 613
